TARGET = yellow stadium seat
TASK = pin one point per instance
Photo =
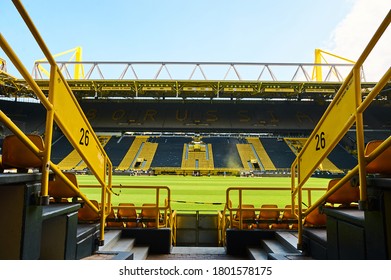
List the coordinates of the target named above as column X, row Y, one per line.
column 128, row 213
column 112, row 216
column 248, row 217
column 345, row 195
column 150, row 214
column 58, row 189
column 268, row 218
column 288, row 219
column 17, row 155
column 315, row 219
column 382, row 163
column 86, row 214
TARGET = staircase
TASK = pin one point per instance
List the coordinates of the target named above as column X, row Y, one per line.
column 120, row 248
column 281, row 247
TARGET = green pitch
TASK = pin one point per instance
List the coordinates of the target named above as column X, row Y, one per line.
column 200, row 193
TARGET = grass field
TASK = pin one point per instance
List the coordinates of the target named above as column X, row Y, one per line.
column 200, row 193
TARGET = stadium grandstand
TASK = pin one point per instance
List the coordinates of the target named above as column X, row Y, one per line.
column 166, row 123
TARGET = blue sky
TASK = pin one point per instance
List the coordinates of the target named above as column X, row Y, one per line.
column 204, row 30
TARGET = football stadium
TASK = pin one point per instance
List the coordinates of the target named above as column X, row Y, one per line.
column 131, row 160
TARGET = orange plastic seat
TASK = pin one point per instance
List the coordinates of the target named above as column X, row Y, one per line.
column 248, row 217
column 17, row 155
column 289, row 220
column 149, row 215
column 112, row 216
column 127, row 213
column 382, row 163
column 268, row 215
column 315, row 219
column 345, row 195
column 58, row 189
column 86, row 214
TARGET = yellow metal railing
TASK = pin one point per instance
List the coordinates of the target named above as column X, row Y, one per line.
column 346, row 109
column 226, row 217
column 159, row 193
column 61, row 107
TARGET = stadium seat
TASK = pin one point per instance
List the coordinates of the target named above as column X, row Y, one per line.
column 382, row 163
column 248, row 217
column 58, row 189
column 315, row 219
column 149, row 215
column 86, row 214
column 128, row 213
column 110, row 220
column 17, row 155
column 289, row 220
column 268, row 218
column 345, row 195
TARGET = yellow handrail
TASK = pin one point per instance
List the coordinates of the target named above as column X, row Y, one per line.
column 160, row 193
column 327, row 133
column 34, row 149
column 222, row 216
column 62, row 108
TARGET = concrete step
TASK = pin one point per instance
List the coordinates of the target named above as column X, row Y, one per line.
column 140, row 252
column 198, row 250
column 257, row 253
column 273, row 256
column 275, row 246
column 288, row 239
column 121, row 245
column 114, row 242
column 111, row 237
column 195, row 253
column 282, row 247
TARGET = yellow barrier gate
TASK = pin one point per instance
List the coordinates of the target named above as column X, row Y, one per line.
column 63, row 108
column 346, row 109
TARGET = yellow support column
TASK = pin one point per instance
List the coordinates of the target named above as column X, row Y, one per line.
column 318, row 68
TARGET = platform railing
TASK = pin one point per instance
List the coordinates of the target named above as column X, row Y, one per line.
column 237, row 194
column 346, row 109
column 159, row 198
column 63, row 109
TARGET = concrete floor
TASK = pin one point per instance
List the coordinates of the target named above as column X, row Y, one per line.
column 195, row 253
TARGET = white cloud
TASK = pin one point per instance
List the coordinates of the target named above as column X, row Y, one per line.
column 354, row 32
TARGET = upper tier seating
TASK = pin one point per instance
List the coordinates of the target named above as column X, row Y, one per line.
column 116, row 148
column 279, row 152
column 169, row 151
column 225, row 153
